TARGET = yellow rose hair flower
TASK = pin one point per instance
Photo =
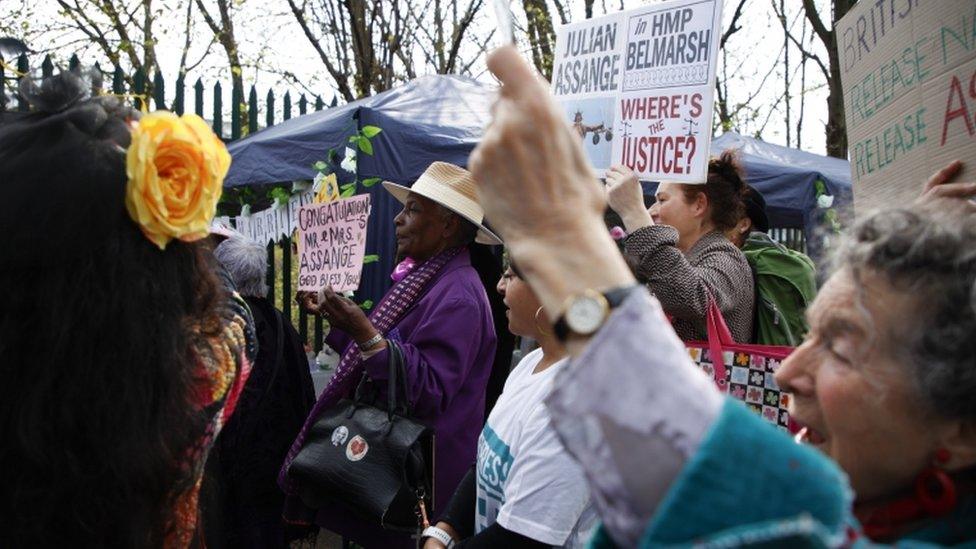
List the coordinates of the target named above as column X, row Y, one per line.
column 176, row 167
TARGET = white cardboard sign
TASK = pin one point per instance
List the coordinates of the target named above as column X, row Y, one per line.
column 908, row 70
column 637, row 87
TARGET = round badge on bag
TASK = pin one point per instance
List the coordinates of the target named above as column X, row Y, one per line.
column 357, row 448
column 339, row 435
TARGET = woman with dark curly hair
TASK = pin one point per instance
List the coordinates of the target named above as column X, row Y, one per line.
column 679, row 248
column 121, row 353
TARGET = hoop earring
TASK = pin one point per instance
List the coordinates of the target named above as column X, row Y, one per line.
column 934, row 488
column 538, row 326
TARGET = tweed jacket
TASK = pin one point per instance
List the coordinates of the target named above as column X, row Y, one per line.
column 683, row 282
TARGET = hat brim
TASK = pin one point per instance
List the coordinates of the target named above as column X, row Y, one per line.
column 485, row 235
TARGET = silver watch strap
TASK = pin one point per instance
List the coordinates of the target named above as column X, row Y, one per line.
column 439, row 535
column 369, row 343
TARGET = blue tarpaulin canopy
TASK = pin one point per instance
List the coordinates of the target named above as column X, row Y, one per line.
column 442, row 117
column 431, row 118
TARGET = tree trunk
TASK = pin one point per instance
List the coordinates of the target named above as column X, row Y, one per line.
column 836, row 121
column 541, row 34
column 836, row 129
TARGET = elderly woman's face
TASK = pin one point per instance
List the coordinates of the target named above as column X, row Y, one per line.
column 420, row 229
column 852, row 391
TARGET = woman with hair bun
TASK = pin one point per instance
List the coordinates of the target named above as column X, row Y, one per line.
column 680, row 249
column 121, row 353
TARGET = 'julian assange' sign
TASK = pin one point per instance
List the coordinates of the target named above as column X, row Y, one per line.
column 636, row 87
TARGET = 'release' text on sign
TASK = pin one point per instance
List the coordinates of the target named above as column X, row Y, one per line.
column 908, row 70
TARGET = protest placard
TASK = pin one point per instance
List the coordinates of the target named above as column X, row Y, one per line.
column 908, row 70
column 586, row 82
column 332, row 243
column 637, row 86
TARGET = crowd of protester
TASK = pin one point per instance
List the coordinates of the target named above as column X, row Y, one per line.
column 154, row 396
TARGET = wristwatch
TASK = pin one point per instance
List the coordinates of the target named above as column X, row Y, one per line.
column 439, row 535
column 584, row 313
column 370, row 343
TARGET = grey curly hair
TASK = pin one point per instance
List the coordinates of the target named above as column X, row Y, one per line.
column 930, row 254
column 247, row 264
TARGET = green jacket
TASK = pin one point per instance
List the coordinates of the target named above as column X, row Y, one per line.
column 786, row 284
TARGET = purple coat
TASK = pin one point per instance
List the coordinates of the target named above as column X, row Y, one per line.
column 448, row 339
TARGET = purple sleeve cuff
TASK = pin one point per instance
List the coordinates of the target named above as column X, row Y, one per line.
column 338, row 340
column 378, row 365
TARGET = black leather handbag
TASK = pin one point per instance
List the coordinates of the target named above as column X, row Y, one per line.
column 376, row 461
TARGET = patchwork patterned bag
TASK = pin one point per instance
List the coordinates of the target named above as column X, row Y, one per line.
column 745, row 371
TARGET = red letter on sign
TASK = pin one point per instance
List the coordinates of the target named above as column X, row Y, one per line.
column 955, row 89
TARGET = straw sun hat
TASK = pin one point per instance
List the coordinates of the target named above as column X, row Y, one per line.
column 451, row 187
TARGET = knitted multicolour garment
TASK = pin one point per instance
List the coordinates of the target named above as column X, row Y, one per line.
column 224, row 363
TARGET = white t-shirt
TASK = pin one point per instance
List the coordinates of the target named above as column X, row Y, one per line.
column 526, row 481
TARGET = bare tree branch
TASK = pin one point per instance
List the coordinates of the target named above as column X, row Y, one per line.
column 810, row 9
column 733, row 27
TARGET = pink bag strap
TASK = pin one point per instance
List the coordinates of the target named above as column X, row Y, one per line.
column 719, row 337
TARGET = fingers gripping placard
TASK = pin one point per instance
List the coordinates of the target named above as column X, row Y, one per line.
column 332, row 244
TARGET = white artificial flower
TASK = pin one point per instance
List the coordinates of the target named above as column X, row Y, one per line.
column 825, row 201
column 302, row 185
column 246, row 210
column 349, row 162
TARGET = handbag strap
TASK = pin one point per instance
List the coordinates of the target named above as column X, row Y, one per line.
column 391, row 382
column 398, row 371
column 396, row 380
column 719, row 337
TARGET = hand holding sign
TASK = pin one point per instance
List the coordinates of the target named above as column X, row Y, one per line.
column 625, row 196
column 343, row 314
column 940, row 186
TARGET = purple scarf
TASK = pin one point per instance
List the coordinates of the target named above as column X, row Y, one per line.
column 400, row 299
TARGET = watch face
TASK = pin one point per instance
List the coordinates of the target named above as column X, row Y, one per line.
column 585, row 314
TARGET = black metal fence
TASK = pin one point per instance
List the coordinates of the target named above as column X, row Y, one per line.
column 795, row 239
